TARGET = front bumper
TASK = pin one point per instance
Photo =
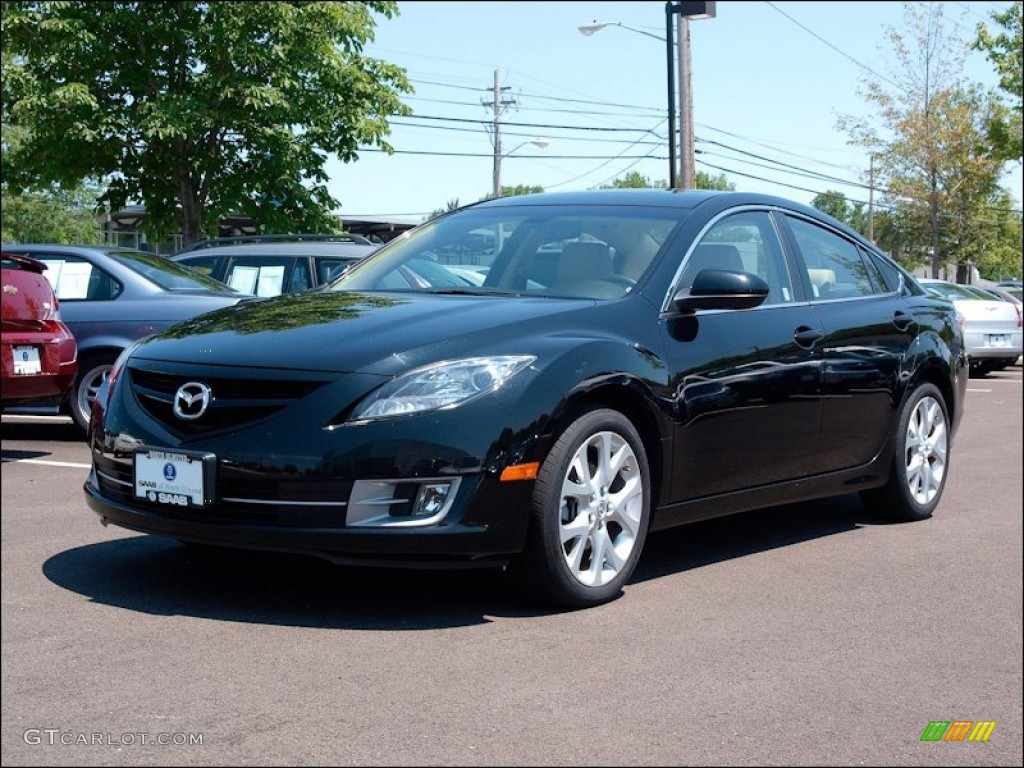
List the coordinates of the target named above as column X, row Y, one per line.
column 452, row 542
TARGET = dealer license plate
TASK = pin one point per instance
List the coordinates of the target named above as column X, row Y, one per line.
column 26, row 360
column 174, row 478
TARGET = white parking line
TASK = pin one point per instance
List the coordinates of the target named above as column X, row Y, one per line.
column 46, row 463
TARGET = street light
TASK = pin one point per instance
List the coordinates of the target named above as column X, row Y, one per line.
column 685, row 11
column 499, row 155
column 588, row 29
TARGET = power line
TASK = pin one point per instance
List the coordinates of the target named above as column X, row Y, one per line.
column 842, row 53
column 523, row 157
column 524, row 125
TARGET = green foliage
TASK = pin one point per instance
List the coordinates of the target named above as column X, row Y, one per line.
column 1004, row 50
column 521, row 189
column 518, row 189
column 720, row 182
column 838, row 207
column 833, row 203
column 636, row 180
column 196, row 109
column 55, row 216
column 934, row 161
column 449, row 207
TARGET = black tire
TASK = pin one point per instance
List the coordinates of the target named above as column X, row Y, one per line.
column 920, row 462
column 591, row 511
column 91, row 372
column 980, row 370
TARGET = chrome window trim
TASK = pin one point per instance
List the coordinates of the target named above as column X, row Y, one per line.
column 666, row 304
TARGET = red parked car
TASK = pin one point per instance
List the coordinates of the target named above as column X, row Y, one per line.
column 40, row 356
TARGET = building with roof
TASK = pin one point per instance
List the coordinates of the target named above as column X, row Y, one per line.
column 123, row 228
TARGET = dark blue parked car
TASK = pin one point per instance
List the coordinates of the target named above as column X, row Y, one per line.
column 109, row 297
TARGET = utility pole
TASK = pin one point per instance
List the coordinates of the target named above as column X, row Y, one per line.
column 687, row 172
column 685, row 10
column 670, row 79
column 871, row 197
column 499, row 103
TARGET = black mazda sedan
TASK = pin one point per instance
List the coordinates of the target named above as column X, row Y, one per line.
column 538, row 382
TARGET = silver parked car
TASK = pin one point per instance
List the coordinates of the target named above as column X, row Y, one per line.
column 269, row 265
column 992, row 327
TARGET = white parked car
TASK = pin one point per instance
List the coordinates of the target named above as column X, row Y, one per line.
column 992, row 327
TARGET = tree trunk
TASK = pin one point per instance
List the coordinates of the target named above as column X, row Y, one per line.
column 191, row 214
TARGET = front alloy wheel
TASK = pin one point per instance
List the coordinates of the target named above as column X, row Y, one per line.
column 591, row 512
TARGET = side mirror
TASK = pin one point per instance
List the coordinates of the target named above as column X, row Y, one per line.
column 722, row 289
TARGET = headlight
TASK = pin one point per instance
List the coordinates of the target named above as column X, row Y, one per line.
column 115, row 371
column 441, row 385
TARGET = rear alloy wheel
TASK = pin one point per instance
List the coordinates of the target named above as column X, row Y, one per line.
column 91, row 373
column 920, row 461
column 591, row 511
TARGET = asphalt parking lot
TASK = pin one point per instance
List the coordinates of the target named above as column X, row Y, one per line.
column 809, row 634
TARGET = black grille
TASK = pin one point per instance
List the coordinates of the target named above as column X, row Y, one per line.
column 241, row 497
column 235, row 403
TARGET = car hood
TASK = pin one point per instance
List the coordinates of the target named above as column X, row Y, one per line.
column 346, row 332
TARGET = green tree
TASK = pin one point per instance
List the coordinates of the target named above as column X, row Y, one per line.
column 838, row 207
column 719, row 182
column 52, row 216
column 450, row 206
column 518, row 189
column 636, row 180
column 1004, row 50
column 1001, row 239
column 933, row 155
column 196, row 109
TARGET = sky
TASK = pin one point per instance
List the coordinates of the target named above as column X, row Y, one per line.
column 770, row 81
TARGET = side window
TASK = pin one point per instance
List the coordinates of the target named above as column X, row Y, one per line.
column 300, row 276
column 204, row 265
column 834, row 264
column 882, row 276
column 259, row 276
column 328, row 269
column 75, row 279
column 745, row 242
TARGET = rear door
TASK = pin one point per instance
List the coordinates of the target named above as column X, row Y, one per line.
column 868, row 327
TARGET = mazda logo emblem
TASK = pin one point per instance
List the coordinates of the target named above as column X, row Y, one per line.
column 191, row 400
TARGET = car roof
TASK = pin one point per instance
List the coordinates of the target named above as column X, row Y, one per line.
column 650, row 196
column 664, row 198
column 104, row 250
column 128, row 266
column 313, row 248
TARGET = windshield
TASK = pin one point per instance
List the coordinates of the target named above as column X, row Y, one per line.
column 168, row 274
column 957, row 291
column 594, row 252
